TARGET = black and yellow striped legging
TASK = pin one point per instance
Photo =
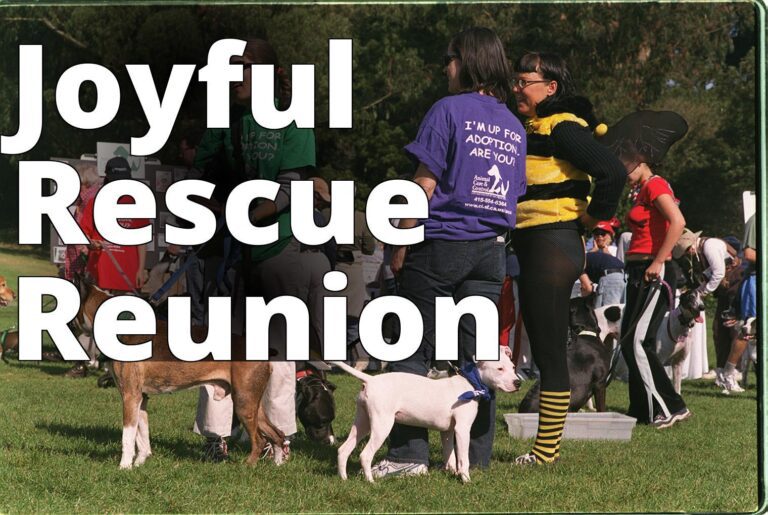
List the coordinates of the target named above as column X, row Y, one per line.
column 551, row 260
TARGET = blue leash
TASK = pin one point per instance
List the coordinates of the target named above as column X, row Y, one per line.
column 160, row 293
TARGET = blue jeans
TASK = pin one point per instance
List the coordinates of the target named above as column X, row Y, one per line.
column 457, row 269
column 611, row 289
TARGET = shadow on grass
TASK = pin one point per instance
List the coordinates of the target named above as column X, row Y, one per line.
column 30, row 251
column 177, row 448
column 53, row 368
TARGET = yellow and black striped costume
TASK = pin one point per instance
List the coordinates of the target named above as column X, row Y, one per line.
column 550, row 249
column 557, row 191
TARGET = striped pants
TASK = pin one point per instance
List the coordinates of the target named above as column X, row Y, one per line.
column 650, row 389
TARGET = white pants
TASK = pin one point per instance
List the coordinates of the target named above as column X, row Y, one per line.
column 214, row 418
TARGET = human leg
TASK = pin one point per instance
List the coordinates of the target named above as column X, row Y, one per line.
column 485, row 280
column 651, row 393
column 550, row 261
column 431, row 269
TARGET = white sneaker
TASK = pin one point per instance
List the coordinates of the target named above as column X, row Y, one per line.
column 662, row 422
column 711, row 374
column 731, row 384
column 719, row 381
column 387, row 468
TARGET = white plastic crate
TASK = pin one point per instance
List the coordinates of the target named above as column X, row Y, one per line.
column 578, row 426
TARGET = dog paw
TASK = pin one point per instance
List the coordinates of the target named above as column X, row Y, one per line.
column 464, row 477
column 126, row 466
column 140, row 459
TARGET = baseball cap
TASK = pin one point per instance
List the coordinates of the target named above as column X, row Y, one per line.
column 117, row 168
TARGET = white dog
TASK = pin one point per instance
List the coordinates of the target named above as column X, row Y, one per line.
column 414, row 400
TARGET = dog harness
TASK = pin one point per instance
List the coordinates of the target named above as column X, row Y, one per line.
column 481, row 391
column 556, row 190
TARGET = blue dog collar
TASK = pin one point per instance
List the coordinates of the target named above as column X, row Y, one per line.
column 481, row 392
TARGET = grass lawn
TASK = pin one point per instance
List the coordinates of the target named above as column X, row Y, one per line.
column 60, row 448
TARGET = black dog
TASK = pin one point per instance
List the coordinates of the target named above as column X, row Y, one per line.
column 589, row 361
column 315, row 405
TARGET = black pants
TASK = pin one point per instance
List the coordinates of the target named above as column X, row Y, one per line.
column 458, row 269
column 551, row 260
column 650, row 389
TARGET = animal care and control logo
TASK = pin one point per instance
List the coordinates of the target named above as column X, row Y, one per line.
column 497, row 145
column 482, row 185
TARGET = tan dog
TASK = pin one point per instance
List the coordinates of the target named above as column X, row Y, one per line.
column 6, row 294
column 163, row 373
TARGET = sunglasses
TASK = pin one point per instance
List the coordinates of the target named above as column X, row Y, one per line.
column 447, row 58
column 597, row 234
column 522, row 83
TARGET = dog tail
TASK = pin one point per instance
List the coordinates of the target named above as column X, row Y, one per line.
column 352, row 371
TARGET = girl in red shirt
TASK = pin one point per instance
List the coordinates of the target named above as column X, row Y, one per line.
column 640, row 140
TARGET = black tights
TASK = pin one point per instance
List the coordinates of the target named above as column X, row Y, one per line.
column 551, row 260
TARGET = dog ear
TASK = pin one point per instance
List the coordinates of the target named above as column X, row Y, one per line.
column 612, row 314
column 304, row 391
column 329, row 385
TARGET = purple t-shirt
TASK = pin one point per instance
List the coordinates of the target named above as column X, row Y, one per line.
column 476, row 148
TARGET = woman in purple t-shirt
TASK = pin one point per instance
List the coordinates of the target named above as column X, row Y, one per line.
column 470, row 155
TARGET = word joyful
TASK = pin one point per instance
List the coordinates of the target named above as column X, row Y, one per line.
column 161, row 113
column 106, row 326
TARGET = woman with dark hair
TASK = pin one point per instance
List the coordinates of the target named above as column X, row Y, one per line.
column 285, row 267
column 551, row 218
column 641, row 140
column 469, row 153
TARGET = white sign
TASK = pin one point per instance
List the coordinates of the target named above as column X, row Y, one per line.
column 106, row 151
column 748, row 199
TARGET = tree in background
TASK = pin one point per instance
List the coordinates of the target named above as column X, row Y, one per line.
column 696, row 59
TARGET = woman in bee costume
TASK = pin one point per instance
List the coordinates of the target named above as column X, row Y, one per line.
column 563, row 165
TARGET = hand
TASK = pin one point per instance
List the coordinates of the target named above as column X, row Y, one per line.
column 588, row 221
column 398, row 258
column 94, row 244
column 587, row 288
column 653, row 272
column 141, row 277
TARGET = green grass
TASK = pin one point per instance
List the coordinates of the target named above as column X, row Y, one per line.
column 60, row 448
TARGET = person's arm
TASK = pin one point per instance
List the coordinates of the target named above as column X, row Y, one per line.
column 669, row 210
column 715, row 253
column 750, row 241
column 268, row 208
column 576, row 145
column 368, row 246
column 141, row 274
column 428, row 181
column 586, row 285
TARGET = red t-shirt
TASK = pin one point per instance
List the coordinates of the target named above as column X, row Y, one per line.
column 100, row 265
column 647, row 223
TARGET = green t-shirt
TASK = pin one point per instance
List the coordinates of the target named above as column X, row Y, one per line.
column 265, row 152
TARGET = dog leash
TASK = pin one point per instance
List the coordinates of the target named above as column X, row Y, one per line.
column 154, row 299
column 120, row 271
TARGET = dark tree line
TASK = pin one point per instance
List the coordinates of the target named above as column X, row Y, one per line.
column 696, row 59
